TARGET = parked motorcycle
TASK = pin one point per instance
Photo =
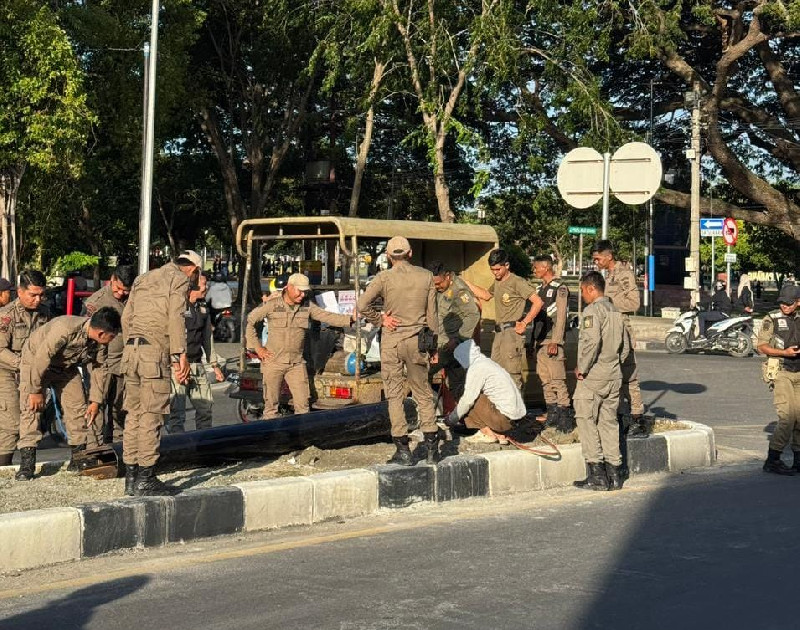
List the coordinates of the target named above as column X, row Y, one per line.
column 225, row 328
column 732, row 335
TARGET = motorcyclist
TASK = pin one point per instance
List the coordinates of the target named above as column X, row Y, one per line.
column 719, row 308
column 219, row 296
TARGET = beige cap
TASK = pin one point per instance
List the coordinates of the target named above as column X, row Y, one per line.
column 300, row 281
column 192, row 256
column 397, row 246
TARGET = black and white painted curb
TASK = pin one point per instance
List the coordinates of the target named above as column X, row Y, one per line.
column 45, row 537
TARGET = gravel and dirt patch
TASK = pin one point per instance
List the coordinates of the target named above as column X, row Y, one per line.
column 55, row 487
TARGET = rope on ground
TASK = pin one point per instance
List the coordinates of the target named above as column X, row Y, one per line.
column 554, row 452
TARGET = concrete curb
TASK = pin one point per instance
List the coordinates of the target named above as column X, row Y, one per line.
column 44, row 537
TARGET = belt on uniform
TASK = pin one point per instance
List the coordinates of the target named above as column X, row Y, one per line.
column 138, row 341
column 504, row 326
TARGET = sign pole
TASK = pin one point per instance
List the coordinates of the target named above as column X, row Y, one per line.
column 713, row 259
column 728, row 272
column 580, row 273
column 606, row 193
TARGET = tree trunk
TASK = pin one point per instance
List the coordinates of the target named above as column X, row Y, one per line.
column 10, row 179
column 363, row 150
column 440, row 181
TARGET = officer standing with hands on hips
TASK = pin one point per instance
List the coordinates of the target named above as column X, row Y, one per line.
column 779, row 338
column 409, row 308
column 288, row 313
column 155, row 342
column 511, row 295
column 51, row 358
column 114, row 295
column 621, row 289
column 17, row 321
column 602, row 347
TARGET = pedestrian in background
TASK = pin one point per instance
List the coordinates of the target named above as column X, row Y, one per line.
column 602, row 349
column 511, row 296
column 199, row 352
column 114, row 295
column 744, row 294
column 155, row 342
column 50, row 359
column 409, row 307
column 17, row 321
column 779, row 337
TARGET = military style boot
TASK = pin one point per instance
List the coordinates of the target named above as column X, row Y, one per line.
column 566, row 419
column 131, row 472
column 27, row 464
column 615, row 478
column 5, row 460
column 641, row 425
column 432, row 442
column 773, row 464
column 74, row 466
column 550, row 418
column 148, row 485
column 595, row 480
column 402, row 455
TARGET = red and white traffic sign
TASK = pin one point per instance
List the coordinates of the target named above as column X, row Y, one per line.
column 730, row 232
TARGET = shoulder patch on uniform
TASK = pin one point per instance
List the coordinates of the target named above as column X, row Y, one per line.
column 588, row 321
column 4, row 324
column 767, row 324
column 91, row 309
column 465, row 297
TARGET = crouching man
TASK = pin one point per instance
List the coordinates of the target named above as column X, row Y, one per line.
column 51, row 358
column 602, row 347
column 491, row 401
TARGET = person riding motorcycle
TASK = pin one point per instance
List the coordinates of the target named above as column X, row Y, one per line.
column 719, row 307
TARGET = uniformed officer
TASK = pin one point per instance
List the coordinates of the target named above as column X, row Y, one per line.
column 155, row 338
column 780, row 337
column 17, row 321
column 459, row 316
column 602, row 347
column 511, row 295
column 409, row 306
column 548, row 333
column 5, row 292
column 288, row 313
column 199, row 346
column 51, row 358
column 621, row 289
column 114, row 295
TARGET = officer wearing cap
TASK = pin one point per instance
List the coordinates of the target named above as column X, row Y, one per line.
column 5, row 292
column 114, row 295
column 511, row 295
column 155, row 338
column 288, row 314
column 17, row 321
column 459, row 315
column 779, row 337
column 51, row 358
column 409, row 306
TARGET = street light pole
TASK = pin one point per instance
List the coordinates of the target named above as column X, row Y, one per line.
column 150, row 57
column 649, row 247
column 694, row 232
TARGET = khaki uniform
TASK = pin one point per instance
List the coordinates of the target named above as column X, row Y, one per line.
column 621, row 289
column 153, row 329
column 51, row 358
column 783, row 331
column 288, row 327
column 510, row 299
column 602, row 348
column 16, row 325
column 549, row 327
column 458, row 317
column 409, row 294
column 115, row 383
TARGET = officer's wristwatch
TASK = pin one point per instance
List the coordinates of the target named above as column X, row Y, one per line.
column 176, row 358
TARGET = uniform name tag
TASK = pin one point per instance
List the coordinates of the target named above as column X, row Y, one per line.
column 549, row 292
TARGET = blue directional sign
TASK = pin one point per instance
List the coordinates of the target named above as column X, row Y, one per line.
column 711, row 227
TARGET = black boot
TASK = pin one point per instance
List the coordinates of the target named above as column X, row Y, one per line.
column 131, row 472
column 614, row 474
column 641, row 425
column 73, row 465
column 551, row 416
column 402, row 455
column 432, row 442
column 27, row 464
column 566, row 420
column 595, row 480
column 5, row 459
column 775, row 465
column 148, row 485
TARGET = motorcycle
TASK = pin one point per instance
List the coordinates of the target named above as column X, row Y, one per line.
column 225, row 326
column 732, row 335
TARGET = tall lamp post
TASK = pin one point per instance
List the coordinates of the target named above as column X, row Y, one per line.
column 150, row 58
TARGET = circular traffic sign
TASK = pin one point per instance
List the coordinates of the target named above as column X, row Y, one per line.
column 580, row 177
column 730, row 231
column 635, row 173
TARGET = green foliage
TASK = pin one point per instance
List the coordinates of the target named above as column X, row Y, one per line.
column 74, row 261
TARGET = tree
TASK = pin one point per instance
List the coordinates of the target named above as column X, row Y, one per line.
column 44, row 118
